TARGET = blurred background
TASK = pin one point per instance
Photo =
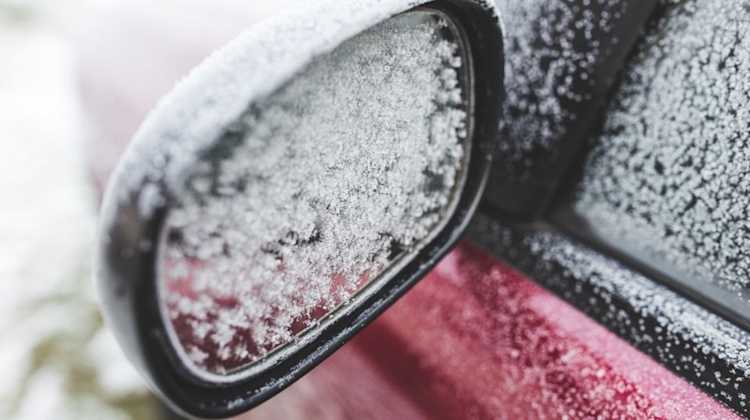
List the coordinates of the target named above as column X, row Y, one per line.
column 76, row 79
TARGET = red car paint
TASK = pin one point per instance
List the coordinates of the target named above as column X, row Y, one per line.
column 477, row 340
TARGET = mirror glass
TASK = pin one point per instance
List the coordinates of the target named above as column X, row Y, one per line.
column 316, row 195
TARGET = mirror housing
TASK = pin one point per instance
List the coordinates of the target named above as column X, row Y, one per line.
column 191, row 119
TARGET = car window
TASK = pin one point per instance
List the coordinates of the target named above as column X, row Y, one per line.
column 667, row 180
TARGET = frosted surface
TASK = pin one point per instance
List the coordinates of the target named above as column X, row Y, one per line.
column 699, row 345
column 315, row 191
column 553, row 50
column 670, row 173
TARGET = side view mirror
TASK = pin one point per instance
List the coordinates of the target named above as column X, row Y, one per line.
column 292, row 187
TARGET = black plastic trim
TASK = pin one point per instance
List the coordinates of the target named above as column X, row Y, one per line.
column 728, row 305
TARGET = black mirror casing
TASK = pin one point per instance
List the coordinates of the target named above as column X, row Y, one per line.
column 127, row 251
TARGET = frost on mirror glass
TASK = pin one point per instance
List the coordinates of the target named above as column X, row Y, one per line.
column 315, row 192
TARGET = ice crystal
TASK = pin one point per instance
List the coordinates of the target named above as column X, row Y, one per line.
column 314, row 191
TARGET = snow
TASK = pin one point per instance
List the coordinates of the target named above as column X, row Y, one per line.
column 333, row 178
column 47, row 226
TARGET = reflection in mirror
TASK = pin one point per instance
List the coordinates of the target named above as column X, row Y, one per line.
column 315, row 194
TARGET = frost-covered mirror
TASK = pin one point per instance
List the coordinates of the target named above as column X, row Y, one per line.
column 293, row 186
column 317, row 193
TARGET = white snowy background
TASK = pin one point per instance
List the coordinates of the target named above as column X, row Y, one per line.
column 76, row 78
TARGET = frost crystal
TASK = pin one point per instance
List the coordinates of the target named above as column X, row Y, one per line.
column 670, row 173
column 553, row 50
column 314, row 191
